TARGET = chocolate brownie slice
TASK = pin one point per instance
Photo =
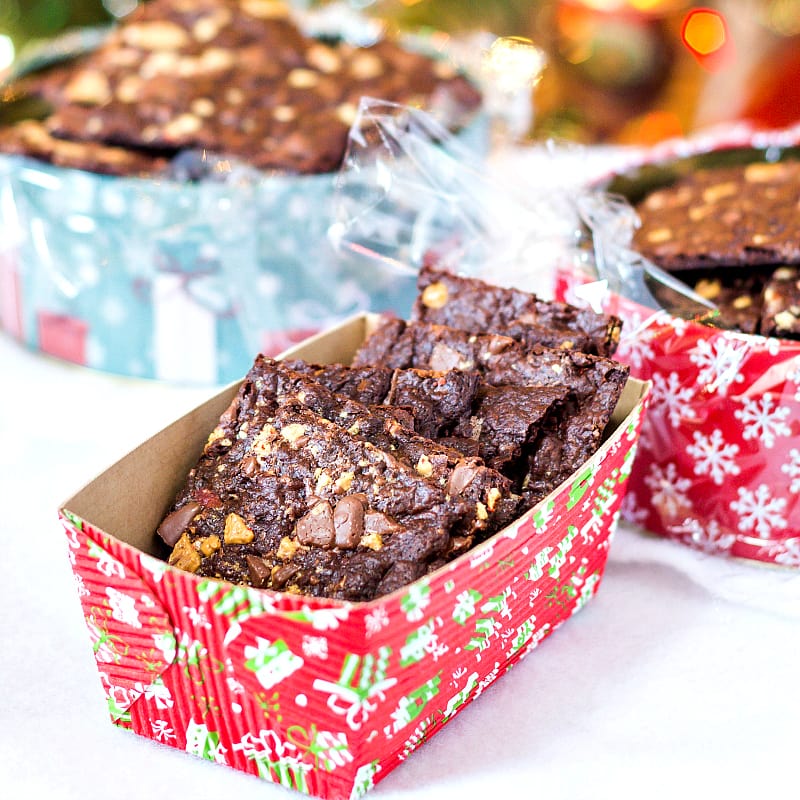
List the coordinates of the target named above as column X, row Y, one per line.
column 473, row 305
column 505, row 419
column 297, row 503
column 484, row 497
column 240, row 80
column 438, row 401
column 594, row 383
column 29, row 138
column 780, row 315
column 734, row 216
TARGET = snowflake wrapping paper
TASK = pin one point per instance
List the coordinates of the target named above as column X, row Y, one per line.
column 718, row 465
column 323, row 696
column 719, row 459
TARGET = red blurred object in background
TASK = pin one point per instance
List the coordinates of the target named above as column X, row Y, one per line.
column 775, row 95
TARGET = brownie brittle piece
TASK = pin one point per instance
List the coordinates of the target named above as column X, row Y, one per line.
column 594, row 383
column 294, row 502
column 730, row 217
column 484, row 497
column 780, row 315
column 438, row 401
column 30, row 138
column 737, row 293
column 506, row 418
column 479, row 307
column 369, row 384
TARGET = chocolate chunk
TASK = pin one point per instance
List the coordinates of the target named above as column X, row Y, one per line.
column 258, row 571
column 317, row 528
column 348, row 520
column 461, row 477
column 175, row 523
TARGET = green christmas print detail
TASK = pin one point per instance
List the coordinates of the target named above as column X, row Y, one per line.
column 271, row 662
column 362, row 684
column 581, row 485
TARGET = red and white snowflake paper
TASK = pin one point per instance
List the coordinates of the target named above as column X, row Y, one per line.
column 719, row 458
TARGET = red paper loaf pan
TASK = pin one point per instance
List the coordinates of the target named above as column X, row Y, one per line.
column 322, row 696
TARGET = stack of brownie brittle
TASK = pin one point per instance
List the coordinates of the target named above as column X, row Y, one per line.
column 351, row 481
column 732, row 234
column 236, row 78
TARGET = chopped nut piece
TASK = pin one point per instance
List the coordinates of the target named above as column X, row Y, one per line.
column 696, row 213
column 659, row 235
column 293, row 432
column 345, row 481
column 210, row 544
column 324, row 480
column 372, row 540
column 287, row 548
column 302, row 78
column 265, row 9
column 89, row 87
column 346, row 113
column 129, row 89
column 708, row 288
column 182, row 125
column 785, row 320
column 743, row 301
column 203, row 107
column 155, row 35
column 720, row 190
column 236, row 530
column 365, row 66
column 284, row 114
column 434, row 295
column 424, row 466
column 763, row 173
column 492, row 496
column 323, row 58
column 480, row 511
column 184, row 556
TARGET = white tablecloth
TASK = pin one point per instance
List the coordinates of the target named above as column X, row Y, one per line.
column 682, row 678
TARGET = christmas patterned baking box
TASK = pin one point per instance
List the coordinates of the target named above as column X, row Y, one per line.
column 323, row 696
column 718, row 466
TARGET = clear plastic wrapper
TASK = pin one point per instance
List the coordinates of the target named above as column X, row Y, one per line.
column 719, row 463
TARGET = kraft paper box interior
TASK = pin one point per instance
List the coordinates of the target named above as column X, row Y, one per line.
column 320, row 695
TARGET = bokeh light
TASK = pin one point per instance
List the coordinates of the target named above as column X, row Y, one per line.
column 704, row 31
column 6, row 51
column 513, row 63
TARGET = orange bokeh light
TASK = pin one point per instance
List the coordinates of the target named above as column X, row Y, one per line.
column 657, row 126
column 704, row 31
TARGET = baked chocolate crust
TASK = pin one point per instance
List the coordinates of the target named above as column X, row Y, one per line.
column 730, row 217
column 474, row 305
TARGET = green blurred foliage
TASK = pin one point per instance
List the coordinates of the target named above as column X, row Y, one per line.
column 27, row 20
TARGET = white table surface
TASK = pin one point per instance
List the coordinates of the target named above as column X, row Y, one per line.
column 681, row 678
